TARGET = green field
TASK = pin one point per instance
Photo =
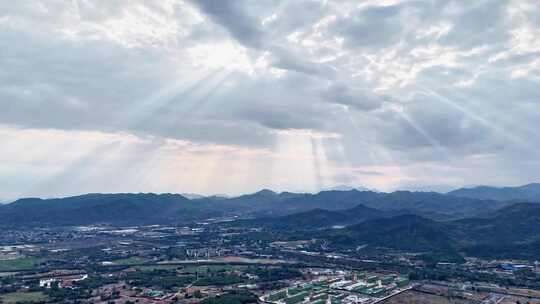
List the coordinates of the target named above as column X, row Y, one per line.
column 157, row 267
column 211, row 268
column 19, row 264
column 23, row 297
column 130, row 261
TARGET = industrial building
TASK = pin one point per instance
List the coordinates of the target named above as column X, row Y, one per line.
column 351, row 289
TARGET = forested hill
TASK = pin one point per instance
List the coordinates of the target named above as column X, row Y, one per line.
column 147, row 208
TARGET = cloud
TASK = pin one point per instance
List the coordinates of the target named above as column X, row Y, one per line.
column 476, row 24
column 361, row 99
column 371, row 27
column 230, row 15
column 414, row 89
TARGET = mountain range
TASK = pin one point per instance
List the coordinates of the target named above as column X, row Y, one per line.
column 118, row 209
column 481, row 221
column 529, row 192
column 147, row 208
column 317, row 219
column 510, row 232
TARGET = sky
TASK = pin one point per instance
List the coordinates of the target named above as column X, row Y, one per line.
column 211, row 96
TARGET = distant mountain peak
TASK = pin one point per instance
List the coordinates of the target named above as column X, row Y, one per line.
column 192, row 195
column 265, row 192
column 531, row 185
column 346, row 188
column 529, row 192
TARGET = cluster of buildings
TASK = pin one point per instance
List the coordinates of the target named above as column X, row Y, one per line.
column 359, row 287
column 62, row 282
column 16, row 251
column 512, row 267
column 206, row 252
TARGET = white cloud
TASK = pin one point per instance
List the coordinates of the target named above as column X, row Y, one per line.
column 313, row 80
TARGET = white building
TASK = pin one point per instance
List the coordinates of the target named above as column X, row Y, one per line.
column 47, row 283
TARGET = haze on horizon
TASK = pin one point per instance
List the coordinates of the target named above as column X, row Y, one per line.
column 234, row 96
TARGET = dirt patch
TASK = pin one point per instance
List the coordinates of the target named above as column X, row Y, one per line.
column 415, row 297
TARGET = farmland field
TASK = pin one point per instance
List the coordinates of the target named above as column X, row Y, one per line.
column 23, row 297
column 19, row 264
column 414, row 297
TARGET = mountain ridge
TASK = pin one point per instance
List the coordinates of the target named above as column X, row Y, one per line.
column 513, row 232
column 528, row 192
column 265, row 203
